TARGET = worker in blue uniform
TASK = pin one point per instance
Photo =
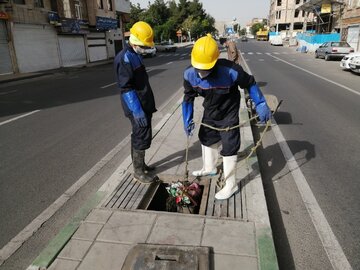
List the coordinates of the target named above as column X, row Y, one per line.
column 137, row 97
column 217, row 81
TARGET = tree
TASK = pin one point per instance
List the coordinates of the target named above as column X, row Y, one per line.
column 256, row 27
column 167, row 18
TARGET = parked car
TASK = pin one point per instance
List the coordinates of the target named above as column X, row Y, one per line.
column 344, row 64
column 355, row 64
column 149, row 52
column 244, row 38
column 330, row 50
column 276, row 41
column 165, row 46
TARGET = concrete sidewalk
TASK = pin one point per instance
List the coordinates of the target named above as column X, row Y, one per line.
column 236, row 233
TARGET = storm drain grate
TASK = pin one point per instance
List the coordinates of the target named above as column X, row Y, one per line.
column 128, row 194
column 167, row 257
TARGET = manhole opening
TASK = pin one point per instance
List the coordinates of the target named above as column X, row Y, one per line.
column 163, row 201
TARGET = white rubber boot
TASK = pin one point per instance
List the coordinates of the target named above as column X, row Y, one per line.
column 210, row 157
column 231, row 187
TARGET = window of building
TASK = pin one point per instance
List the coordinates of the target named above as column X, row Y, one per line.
column 279, row 2
column 109, row 4
column 297, row 2
column 67, row 10
column 303, row 13
column 78, row 10
column 38, row 3
column 100, row 4
column 19, row 2
column 296, row 13
column 278, row 14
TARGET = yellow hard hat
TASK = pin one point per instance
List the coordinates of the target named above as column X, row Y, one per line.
column 205, row 53
column 143, row 34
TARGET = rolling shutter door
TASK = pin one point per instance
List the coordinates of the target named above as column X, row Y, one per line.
column 36, row 47
column 97, row 46
column 353, row 36
column 5, row 60
column 72, row 50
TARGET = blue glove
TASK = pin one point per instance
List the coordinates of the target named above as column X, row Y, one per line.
column 133, row 103
column 263, row 111
column 261, row 107
column 188, row 112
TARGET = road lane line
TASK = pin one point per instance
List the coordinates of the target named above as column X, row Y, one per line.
column 331, row 246
column 169, row 63
column 316, row 75
column 18, row 117
column 8, row 92
column 16, row 242
column 106, row 86
column 329, row 241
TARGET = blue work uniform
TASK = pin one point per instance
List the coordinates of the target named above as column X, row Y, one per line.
column 131, row 75
column 221, row 102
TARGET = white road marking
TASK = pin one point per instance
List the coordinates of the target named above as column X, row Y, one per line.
column 330, row 243
column 15, row 243
column 182, row 57
column 184, row 54
column 319, row 76
column 8, row 92
column 276, row 53
column 169, row 63
column 261, row 60
column 106, row 86
column 331, row 246
column 250, row 53
column 18, row 117
column 258, row 53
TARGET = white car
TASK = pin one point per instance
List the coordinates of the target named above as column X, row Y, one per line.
column 151, row 52
column 355, row 64
column 276, row 41
column 344, row 64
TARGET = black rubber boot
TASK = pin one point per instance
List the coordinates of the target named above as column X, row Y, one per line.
column 146, row 168
column 138, row 164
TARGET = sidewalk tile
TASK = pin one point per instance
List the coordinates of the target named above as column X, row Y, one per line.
column 87, row 231
column 177, row 230
column 127, row 227
column 60, row 264
column 230, row 237
column 75, row 249
column 222, row 261
column 105, row 256
column 99, row 216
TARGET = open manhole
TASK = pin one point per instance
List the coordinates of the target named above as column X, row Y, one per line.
column 167, row 257
column 159, row 199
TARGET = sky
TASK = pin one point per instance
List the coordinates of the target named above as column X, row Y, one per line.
column 226, row 10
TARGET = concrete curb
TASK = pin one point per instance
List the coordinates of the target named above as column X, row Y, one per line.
column 260, row 214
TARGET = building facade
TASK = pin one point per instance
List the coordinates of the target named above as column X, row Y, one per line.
column 39, row 35
column 350, row 23
column 285, row 15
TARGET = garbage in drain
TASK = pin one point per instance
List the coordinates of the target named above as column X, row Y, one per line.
column 183, row 197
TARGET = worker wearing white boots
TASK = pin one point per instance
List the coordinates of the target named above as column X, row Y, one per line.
column 217, row 80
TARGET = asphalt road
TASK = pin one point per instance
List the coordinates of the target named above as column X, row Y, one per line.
column 320, row 120
column 77, row 119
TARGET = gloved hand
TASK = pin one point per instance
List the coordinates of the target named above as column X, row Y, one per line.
column 261, row 107
column 188, row 112
column 133, row 103
column 263, row 111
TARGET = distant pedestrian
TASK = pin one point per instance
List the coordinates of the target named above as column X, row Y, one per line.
column 137, row 97
column 232, row 51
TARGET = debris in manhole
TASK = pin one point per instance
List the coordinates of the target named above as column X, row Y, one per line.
column 183, row 197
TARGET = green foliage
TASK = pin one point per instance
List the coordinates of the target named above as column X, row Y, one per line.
column 242, row 32
column 168, row 17
column 256, row 27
